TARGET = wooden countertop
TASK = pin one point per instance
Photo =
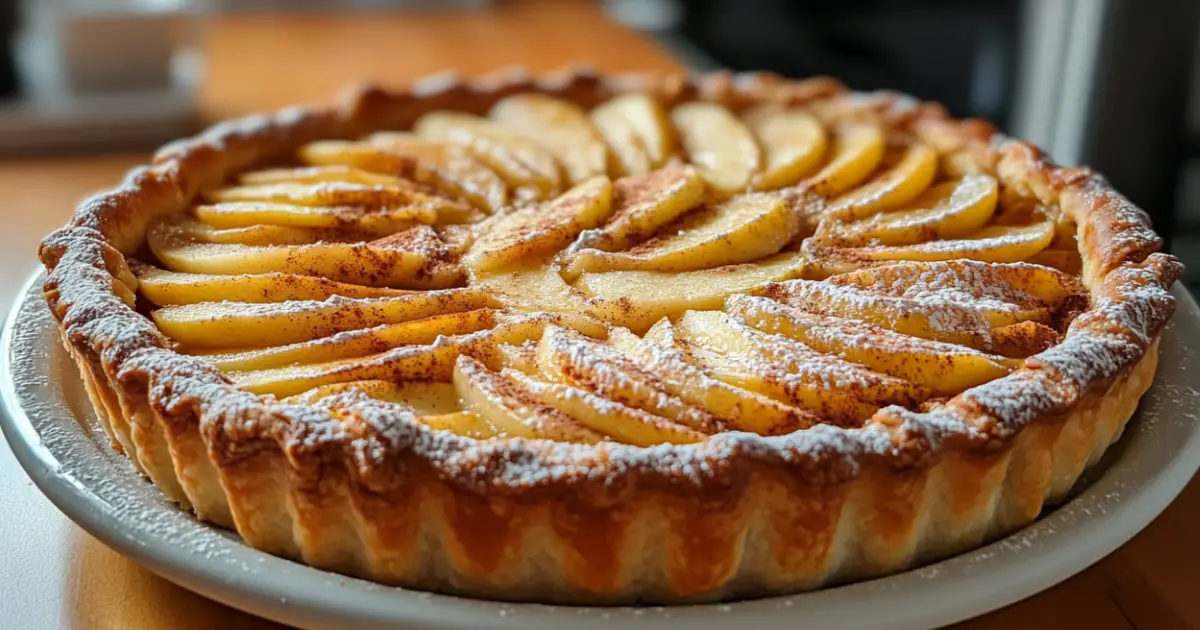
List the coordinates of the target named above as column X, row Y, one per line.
column 53, row 575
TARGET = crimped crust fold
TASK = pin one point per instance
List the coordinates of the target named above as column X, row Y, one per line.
column 377, row 494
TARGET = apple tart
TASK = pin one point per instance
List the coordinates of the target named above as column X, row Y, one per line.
column 612, row 339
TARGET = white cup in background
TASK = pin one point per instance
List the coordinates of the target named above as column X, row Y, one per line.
column 98, row 46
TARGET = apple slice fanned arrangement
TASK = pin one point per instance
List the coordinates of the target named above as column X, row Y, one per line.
column 632, row 273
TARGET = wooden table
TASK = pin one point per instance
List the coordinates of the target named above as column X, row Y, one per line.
column 53, row 575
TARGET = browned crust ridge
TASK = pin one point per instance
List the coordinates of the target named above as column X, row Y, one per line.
column 373, row 493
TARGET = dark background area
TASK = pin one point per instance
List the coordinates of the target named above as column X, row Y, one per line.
column 935, row 49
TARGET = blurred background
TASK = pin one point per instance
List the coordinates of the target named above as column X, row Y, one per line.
column 1110, row 83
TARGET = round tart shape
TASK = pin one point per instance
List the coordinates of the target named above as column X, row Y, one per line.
column 612, row 339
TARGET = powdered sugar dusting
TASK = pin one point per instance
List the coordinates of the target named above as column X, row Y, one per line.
column 853, row 310
column 833, row 332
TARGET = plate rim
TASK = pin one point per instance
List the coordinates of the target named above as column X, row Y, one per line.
column 1017, row 566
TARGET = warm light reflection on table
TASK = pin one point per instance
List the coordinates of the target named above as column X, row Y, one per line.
column 108, row 590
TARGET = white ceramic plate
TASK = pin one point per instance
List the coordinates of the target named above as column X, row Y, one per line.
column 50, row 425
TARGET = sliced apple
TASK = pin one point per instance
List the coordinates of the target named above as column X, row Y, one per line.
column 743, row 409
column 748, row 372
column 399, row 395
column 522, row 358
column 793, row 143
column 934, row 315
column 644, row 203
column 333, row 194
column 272, row 234
column 457, row 238
column 509, row 406
column 250, row 213
column 637, row 131
column 539, row 288
column 946, row 211
column 515, row 157
column 534, row 231
column 446, row 167
column 193, row 229
column 621, row 423
column 858, row 148
column 425, row 362
column 560, row 126
column 843, row 392
column 634, row 299
column 1018, row 283
column 542, row 288
column 425, row 398
column 386, row 264
column 944, row 368
column 662, row 333
column 567, row 357
column 462, row 423
column 224, row 324
column 743, row 229
column 898, row 185
column 317, row 174
column 995, row 243
column 359, row 342
column 722, row 149
column 164, row 288
column 1023, row 340
column 637, row 299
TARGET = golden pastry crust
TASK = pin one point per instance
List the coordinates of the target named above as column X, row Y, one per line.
column 372, row 493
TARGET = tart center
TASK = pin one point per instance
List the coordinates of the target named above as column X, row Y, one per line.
column 629, row 273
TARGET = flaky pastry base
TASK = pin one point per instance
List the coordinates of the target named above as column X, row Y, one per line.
column 737, row 515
